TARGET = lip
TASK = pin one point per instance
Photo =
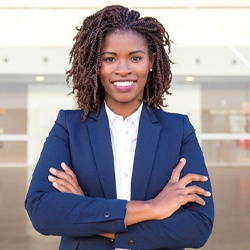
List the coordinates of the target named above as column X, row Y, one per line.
column 124, row 85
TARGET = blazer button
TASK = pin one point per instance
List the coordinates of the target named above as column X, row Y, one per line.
column 131, row 243
column 107, row 214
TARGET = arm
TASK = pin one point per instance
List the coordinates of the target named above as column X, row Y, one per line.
column 174, row 195
column 191, row 225
column 188, row 226
column 55, row 213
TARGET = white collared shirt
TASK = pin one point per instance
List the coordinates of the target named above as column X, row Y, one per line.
column 123, row 138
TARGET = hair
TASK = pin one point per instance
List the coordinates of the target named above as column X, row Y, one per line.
column 85, row 56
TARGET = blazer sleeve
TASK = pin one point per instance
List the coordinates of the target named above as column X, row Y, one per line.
column 64, row 214
column 191, row 225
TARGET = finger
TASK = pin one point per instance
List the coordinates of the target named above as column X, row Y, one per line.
column 64, row 186
column 175, row 176
column 197, row 190
column 194, row 198
column 62, row 183
column 187, row 179
column 69, row 171
column 63, row 176
column 59, row 187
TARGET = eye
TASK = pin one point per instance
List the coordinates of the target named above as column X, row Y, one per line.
column 109, row 59
column 136, row 58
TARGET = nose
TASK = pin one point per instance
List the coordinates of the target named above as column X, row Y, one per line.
column 123, row 68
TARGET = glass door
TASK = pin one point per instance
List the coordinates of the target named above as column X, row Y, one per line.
column 13, row 128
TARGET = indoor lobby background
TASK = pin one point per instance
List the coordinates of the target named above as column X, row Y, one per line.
column 211, row 84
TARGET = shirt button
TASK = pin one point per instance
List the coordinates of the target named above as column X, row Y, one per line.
column 107, row 214
column 125, row 175
column 131, row 243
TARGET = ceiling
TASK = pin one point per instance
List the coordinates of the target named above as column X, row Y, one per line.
column 49, row 23
column 216, row 33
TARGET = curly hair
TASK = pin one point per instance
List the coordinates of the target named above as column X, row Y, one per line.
column 85, row 56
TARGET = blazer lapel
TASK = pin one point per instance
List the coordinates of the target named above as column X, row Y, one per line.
column 147, row 141
column 101, row 144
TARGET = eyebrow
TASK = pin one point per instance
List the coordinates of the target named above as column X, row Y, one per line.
column 130, row 53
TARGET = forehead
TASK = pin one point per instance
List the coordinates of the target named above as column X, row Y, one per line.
column 125, row 39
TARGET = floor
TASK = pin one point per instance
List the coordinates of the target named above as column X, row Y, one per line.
column 231, row 188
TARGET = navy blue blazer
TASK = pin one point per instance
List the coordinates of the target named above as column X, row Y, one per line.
column 163, row 138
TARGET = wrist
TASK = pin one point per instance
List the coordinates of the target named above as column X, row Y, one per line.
column 138, row 211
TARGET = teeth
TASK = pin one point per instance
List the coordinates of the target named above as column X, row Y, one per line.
column 123, row 84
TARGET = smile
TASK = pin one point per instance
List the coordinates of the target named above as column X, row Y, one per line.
column 123, row 84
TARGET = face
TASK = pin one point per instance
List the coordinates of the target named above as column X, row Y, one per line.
column 125, row 67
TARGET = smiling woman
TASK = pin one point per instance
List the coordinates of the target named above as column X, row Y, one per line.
column 120, row 173
column 88, row 53
column 125, row 66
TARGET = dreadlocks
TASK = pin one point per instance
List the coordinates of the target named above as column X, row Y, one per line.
column 85, row 56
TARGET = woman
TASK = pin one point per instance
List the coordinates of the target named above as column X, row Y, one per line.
column 120, row 173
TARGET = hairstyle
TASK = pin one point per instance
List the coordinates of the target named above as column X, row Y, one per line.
column 85, row 56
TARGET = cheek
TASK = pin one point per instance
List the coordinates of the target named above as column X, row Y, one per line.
column 102, row 75
column 144, row 73
column 104, row 71
column 144, row 70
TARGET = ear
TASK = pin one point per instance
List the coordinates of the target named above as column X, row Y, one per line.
column 152, row 60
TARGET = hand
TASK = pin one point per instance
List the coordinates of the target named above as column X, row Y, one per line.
column 65, row 181
column 176, row 193
column 108, row 235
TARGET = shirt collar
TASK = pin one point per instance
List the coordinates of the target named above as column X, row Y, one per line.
column 135, row 116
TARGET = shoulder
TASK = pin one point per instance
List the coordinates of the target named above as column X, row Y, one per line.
column 74, row 115
column 175, row 121
column 178, row 125
column 70, row 113
column 163, row 115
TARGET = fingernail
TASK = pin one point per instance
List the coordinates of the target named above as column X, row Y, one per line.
column 182, row 159
column 63, row 164
column 205, row 178
column 52, row 170
column 54, row 184
column 208, row 193
column 50, row 177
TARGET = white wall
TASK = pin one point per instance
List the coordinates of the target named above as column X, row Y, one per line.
column 201, row 61
column 44, row 102
column 186, row 99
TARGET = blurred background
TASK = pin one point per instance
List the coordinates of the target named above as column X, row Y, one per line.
column 211, row 84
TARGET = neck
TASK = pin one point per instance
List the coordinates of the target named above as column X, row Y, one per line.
column 124, row 109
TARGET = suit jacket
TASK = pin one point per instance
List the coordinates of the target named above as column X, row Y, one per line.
column 163, row 138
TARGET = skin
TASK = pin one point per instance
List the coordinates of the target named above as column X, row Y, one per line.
column 174, row 195
column 125, row 58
